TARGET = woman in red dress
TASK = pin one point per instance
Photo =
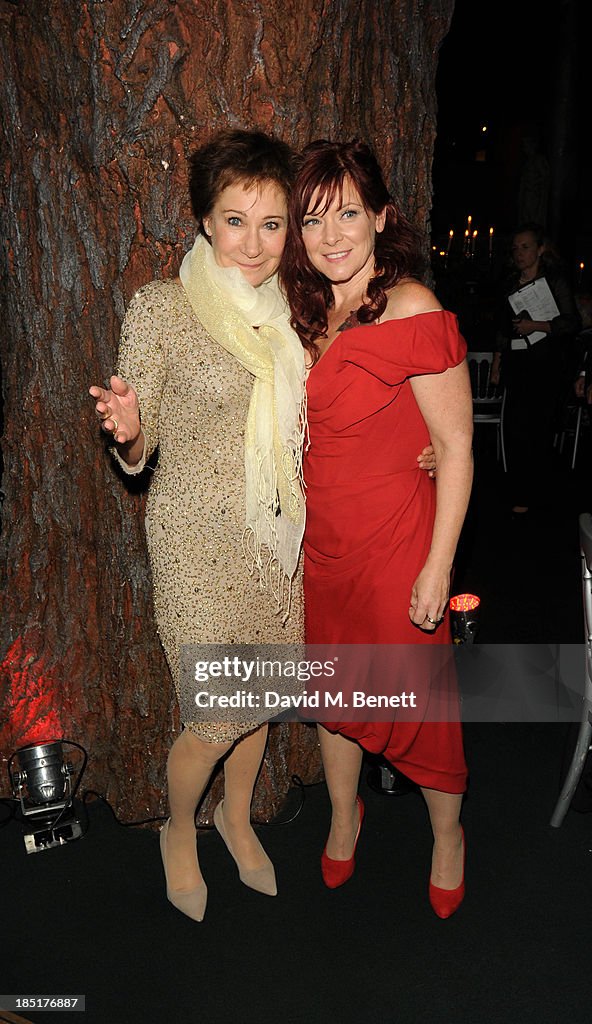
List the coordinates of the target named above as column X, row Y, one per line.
column 387, row 373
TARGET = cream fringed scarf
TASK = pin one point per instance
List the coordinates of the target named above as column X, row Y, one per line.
column 230, row 309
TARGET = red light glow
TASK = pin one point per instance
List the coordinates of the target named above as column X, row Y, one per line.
column 464, row 603
column 30, row 697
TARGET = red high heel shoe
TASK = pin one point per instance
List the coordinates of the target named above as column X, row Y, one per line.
column 446, row 901
column 337, row 872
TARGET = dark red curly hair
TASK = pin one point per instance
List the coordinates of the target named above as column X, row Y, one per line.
column 324, row 168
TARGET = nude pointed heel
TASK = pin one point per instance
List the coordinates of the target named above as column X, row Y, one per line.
column 192, row 902
column 261, row 879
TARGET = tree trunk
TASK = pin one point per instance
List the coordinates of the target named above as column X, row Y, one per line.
column 102, row 101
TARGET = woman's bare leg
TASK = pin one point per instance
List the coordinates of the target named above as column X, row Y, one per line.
column 447, row 856
column 342, row 761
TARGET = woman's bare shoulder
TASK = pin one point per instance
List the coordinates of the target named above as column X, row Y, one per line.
column 409, row 297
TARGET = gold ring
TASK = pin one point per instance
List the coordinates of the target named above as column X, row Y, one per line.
column 434, row 622
column 116, row 427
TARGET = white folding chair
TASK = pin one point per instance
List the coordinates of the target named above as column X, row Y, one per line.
column 489, row 399
column 583, row 743
column 577, row 408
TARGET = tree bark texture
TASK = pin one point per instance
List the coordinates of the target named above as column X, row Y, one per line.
column 102, row 101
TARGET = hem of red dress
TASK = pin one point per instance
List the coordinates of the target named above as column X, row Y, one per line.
column 426, row 776
column 443, row 782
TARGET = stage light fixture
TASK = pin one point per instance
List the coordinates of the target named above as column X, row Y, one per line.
column 43, row 785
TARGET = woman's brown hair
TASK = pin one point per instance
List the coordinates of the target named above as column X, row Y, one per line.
column 324, row 168
column 237, row 155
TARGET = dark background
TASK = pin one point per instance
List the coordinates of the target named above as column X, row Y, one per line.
column 520, row 68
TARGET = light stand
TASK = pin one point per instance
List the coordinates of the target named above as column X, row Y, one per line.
column 43, row 784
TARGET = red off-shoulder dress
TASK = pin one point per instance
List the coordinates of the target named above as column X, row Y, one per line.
column 370, row 515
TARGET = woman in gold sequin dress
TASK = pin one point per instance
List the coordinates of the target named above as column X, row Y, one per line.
column 199, row 363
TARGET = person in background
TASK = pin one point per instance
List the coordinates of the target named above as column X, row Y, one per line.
column 535, row 373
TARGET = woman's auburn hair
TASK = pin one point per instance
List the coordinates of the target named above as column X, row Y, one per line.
column 323, row 170
column 237, row 155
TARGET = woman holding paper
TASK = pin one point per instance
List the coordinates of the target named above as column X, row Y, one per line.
column 538, row 321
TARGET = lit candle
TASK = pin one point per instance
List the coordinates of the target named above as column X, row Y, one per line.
column 581, row 273
column 467, row 243
column 447, row 253
column 490, row 243
column 473, row 243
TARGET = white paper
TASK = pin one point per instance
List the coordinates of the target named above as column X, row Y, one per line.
column 537, row 299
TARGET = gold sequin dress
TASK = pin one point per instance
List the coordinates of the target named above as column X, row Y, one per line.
column 194, row 397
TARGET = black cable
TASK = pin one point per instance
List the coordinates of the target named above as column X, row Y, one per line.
column 295, row 780
column 124, row 824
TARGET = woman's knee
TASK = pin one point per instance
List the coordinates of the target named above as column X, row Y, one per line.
column 201, row 750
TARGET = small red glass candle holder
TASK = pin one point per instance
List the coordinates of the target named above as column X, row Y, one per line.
column 464, row 618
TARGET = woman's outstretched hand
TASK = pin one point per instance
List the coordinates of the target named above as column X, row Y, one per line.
column 118, row 409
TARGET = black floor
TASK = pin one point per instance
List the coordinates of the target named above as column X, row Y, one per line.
column 91, row 918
